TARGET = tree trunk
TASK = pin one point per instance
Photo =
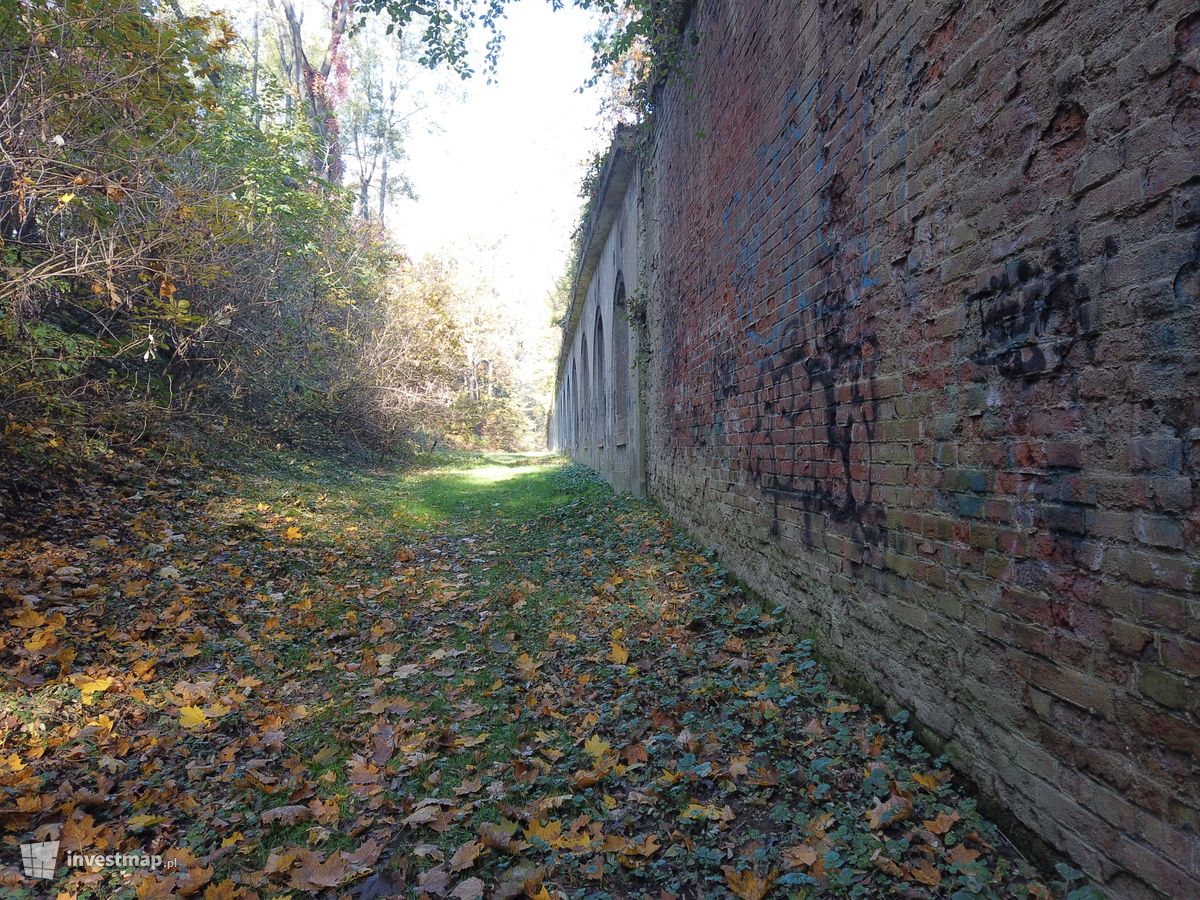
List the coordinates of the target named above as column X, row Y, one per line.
column 312, row 83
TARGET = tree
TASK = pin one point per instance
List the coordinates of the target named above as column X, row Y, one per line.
column 318, row 87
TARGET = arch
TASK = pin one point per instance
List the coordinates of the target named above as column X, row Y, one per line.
column 573, row 405
column 601, row 386
column 585, row 395
column 622, row 402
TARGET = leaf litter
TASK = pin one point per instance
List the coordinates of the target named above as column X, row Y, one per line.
column 489, row 678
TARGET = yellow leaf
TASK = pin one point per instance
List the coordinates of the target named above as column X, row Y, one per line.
column 29, row 618
column 216, row 710
column 698, row 811
column 139, row 822
column 618, row 653
column 192, row 717
column 596, row 747
column 929, row 782
column 90, row 687
column 551, row 832
column 293, row 533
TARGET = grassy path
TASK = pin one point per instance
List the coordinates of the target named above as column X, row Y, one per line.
column 491, row 677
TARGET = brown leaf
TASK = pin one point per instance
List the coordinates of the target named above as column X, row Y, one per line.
column 926, row 874
column 501, row 837
column 471, row 889
column 366, row 855
column 313, row 875
column 886, row 865
column 962, row 855
column 896, row 809
column 943, row 823
column 747, row 885
column 288, row 815
column 197, row 877
column 436, row 881
column 422, row 816
column 464, row 857
column 800, row 856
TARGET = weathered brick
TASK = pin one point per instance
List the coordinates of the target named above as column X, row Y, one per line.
column 924, row 370
column 1167, row 689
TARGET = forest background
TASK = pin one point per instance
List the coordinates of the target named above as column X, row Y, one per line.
column 194, row 228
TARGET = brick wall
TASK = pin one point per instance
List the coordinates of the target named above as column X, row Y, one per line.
column 922, row 283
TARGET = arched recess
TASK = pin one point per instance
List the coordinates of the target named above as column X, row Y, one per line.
column 601, row 388
column 622, row 402
column 574, row 406
column 585, row 395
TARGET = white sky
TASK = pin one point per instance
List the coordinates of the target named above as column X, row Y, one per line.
column 497, row 180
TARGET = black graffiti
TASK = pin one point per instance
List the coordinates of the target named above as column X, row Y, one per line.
column 1031, row 316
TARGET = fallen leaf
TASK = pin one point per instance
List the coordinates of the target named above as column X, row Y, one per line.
column 618, row 653
column 288, row 815
column 800, row 856
column 942, row 823
column 896, row 809
column 192, row 717
column 464, row 857
column 926, row 874
column 747, row 885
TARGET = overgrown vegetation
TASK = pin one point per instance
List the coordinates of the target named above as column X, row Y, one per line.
column 178, row 241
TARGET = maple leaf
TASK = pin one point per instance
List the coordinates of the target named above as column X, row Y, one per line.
column 192, row 717
column 436, row 881
column 82, row 834
column 293, row 533
column 527, row 666
column 464, row 857
column 886, row 865
column 153, row 888
column 962, row 855
column 288, row 815
column 596, row 747
column 314, row 875
column 747, row 885
column 500, row 836
column 926, row 874
column 365, row 856
column 895, row 809
column 551, row 832
column 225, row 890
column 471, row 889
column 197, row 877
column 28, row 618
column 929, row 782
column 800, row 856
column 618, row 653
column 943, row 823
column 90, row 687
column 137, row 823
column 422, row 816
